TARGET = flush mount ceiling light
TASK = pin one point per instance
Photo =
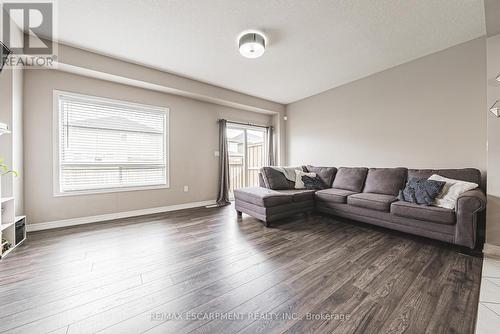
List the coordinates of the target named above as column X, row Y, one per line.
column 252, row 44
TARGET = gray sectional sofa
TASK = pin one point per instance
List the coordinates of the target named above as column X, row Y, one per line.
column 368, row 195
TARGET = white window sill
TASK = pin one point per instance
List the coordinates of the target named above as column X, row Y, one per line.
column 109, row 190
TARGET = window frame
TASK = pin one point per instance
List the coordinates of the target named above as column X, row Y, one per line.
column 57, row 192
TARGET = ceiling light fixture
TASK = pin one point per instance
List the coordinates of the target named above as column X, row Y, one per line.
column 252, row 44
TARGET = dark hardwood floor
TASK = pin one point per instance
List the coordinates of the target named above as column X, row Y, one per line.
column 202, row 271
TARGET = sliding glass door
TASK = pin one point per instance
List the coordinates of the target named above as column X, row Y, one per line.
column 246, row 147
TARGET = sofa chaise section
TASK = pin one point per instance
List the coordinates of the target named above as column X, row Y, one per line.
column 271, row 205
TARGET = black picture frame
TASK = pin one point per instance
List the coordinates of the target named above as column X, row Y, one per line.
column 4, row 54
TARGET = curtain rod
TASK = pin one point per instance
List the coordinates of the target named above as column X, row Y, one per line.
column 248, row 124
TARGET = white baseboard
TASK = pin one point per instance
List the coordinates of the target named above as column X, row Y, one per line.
column 492, row 250
column 112, row 216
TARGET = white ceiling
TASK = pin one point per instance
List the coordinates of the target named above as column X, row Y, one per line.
column 314, row 44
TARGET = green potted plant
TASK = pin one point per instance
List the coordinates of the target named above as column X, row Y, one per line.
column 4, row 169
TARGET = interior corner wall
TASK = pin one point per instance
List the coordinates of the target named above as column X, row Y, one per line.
column 493, row 189
column 427, row 113
column 193, row 141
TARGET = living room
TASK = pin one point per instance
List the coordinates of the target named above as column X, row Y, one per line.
column 250, row 166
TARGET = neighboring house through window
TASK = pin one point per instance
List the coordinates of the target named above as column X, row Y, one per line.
column 104, row 145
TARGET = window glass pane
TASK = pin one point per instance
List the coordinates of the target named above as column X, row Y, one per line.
column 110, row 144
column 255, row 155
column 236, row 150
column 76, row 178
column 246, row 147
column 102, row 145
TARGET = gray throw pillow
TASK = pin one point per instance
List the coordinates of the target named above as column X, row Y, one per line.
column 326, row 174
column 313, row 183
column 421, row 191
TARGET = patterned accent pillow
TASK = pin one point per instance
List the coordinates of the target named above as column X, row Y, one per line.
column 326, row 174
column 421, row 191
column 299, row 184
column 313, row 183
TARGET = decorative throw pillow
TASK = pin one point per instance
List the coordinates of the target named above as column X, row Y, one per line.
column 451, row 191
column 298, row 178
column 314, row 183
column 421, row 191
column 326, row 174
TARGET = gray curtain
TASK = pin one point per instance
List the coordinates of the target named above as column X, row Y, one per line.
column 270, row 146
column 223, row 193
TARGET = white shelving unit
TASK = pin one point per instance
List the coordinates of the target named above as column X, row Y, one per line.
column 12, row 227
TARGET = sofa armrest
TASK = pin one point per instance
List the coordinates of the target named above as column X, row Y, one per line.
column 468, row 205
column 472, row 200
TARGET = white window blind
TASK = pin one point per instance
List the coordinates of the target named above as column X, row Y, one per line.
column 107, row 144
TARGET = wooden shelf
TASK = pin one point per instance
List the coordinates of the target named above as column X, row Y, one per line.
column 8, row 219
column 6, row 199
column 12, row 228
column 5, row 226
column 4, row 254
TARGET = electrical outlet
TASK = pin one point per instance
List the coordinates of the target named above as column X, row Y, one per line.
column 216, row 153
column 186, row 189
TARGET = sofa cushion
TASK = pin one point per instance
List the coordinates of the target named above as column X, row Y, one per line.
column 426, row 213
column 464, row 174
column 298, row 195
column 333, row 195
column 350, row 178
column 379, row 202
column 262, row 196
column 386, row 181
column 275, row 180
column 326, row 174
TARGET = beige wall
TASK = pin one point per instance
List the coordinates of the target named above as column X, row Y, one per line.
column 428, row 113
column 193, row 141
column 493, row 211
